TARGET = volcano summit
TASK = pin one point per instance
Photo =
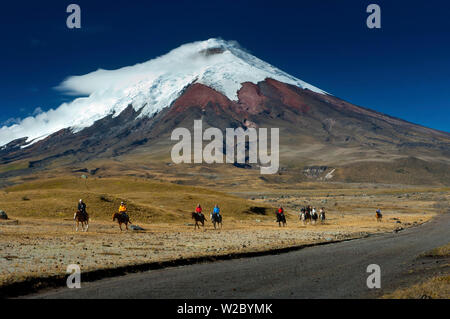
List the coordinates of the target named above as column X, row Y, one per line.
column 128, row 115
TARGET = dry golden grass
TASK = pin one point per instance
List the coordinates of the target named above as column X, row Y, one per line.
column 44, row 242
column 440, row 252
column 436, row 288
column 147, row 201
column 37, row 247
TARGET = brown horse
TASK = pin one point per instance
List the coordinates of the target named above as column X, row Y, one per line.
column 199, row 218
column 122, row 219
column 378, row 216
column 82, row 218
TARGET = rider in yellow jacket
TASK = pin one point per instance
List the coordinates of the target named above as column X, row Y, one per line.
column 123, row 209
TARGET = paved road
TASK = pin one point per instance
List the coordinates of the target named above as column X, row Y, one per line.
column 329, row 271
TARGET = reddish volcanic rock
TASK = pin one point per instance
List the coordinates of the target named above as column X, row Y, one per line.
column 288, row 96
column 251, row 98
column 200, row 95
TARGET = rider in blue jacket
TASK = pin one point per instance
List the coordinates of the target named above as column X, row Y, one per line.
column 216, row 210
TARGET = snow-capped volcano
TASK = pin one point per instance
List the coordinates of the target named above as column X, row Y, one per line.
column 150, row 87
column 129, row 115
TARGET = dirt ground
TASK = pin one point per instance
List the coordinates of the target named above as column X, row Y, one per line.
column 43, row 247
column 39, row 239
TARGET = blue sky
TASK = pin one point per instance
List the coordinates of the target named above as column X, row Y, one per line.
column 403, row 69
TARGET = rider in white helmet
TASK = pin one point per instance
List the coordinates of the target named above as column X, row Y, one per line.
column 81, row 208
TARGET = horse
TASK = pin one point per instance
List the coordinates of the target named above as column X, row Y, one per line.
column 378, row 216
column 122, row 219
column 314, row 217
column 281, row 219
column 322, row 216
column 302, row 217
column 199, row 218
column 305, row 217
column 82, row 218
column 216, row 219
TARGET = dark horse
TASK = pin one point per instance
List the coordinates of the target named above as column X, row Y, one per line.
column 122, row 219
column 216, row 219
column 281, row 219
column 82, row 218
column 314, row 217
column 199, row 218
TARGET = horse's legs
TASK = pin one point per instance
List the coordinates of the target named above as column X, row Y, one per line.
column 120, row 226
column 126, row 226
column 76, row 229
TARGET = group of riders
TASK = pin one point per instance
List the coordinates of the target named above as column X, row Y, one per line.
column 215, row 214
column 306, row 214
column 82, row 210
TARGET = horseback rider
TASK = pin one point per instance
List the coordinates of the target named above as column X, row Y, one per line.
column 280, row 211
column 199, row 210
column 322, row 213
column 216, row 210
column 215, row 215
column 81, row 209
column 123, row 209
column 314, row 215
column 378, row 212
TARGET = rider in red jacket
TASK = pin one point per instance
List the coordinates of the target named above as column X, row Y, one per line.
column 280, row 210
column 198, row 209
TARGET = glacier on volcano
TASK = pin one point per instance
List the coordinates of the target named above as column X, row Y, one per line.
column 149, row 86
